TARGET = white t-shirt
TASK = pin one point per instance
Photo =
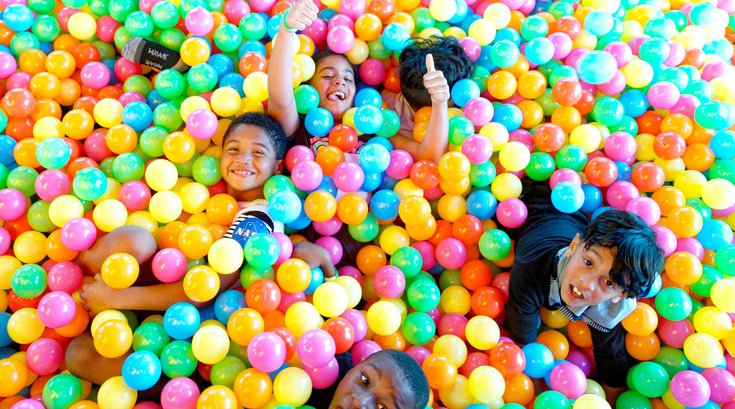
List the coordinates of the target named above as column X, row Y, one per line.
column 252, row 218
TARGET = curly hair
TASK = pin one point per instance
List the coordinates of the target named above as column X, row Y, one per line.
column 449, row 58
column 412, row 374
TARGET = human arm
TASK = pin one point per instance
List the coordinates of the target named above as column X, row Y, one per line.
column 314, row 256
column 522, row 309
column 281, row 101
column 98, row 296
column 435, row 142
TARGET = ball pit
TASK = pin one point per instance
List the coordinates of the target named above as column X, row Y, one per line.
column 621, row 104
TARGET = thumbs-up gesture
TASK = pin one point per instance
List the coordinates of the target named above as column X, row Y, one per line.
column 301, row 15
column 435, row 83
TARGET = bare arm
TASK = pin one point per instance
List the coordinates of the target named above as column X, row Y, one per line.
column 281, row 101
column 435, row 143
column 98, row 296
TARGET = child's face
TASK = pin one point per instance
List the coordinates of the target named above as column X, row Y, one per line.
column 248, row 160
column 586, row 280
column 373, row 384
column 335, row 82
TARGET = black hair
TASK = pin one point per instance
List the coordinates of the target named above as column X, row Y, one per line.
column 412, row 374
column 638, row 258
column 318, row 57
column 449, row 58
column 271, row 127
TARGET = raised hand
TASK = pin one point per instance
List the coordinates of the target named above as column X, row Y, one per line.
column 435, row 83
column 301, row 15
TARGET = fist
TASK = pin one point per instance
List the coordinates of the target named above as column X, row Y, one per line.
column 435, row 83
column 302, row 14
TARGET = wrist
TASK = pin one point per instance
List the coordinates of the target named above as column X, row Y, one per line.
column 284, row 22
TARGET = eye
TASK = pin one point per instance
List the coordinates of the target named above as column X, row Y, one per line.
column 381, row 406
column 587, row 262
column 364, row 379
column 350, row 80
column 609, row 284
column 232, row 149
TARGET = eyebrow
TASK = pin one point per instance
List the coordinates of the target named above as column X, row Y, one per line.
column 329, row 67
column 595, row 252
column 254, row 143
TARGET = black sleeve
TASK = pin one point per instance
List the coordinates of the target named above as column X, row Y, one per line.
column 612, row 359
column 522, row 310
column 322, row 398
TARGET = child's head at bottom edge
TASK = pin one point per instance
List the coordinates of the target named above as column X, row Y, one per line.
column 388, row 379
column 253, row 147
column 617, row 257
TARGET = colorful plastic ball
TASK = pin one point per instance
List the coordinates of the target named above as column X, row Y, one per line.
column 266, row 352
column 690, row 388
column 141, row 370
column 596, row 67
column 56, row 309
column 44, row 356
column 12, row 204
column 181, row 320
column 210, row 344
column 539, row 360
column 568, row 379
column 114, row 393
column 722, row 293
column 119, row 270
column 179, row 392
column 464, row 91
column 62, row 390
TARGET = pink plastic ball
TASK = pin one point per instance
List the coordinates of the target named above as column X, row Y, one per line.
column 199, row 21
column 106, row 27
column 418, row 353
column 262, row 6
column 400, row 164
column 8, row 65
column 453, row 324
column 202, row 124
column 358, row 322
column 620, row 146
column 288, row 299
column 180, row 393
column 713, row 70
column 512, row 213
column 135, row 195
column 12, row 204
column 341, row 20
column 235, row 10
column 95, row 75
column 95, row 146
column 297, row 154
column 352, row 8
column 646, row 208
column 620, row 51
column 129, row 97
column 479, row 111
column 328, row 228
column 471, row 47
column 65, row 276
column 674, row 333
column 267, row 352
column 686, row 105
column 562, row 45
column 564, row 175
column 691, row 245
column 125, row 69
column 52, row 183
column 581, row 361
column 348, row 177
column 56, row 309
column 666, row 239
column 362, row 350
column 44, row 356
column 690, row 388
column 78, row 234
column 477, row 148
column 426, row 250
column 169, row 265
column 63, row 17
column 620, row 193
column 317, row 31
column 333, row 247
column 340, row 39
column 351, row 271
column 18, row 80
column 389, row 282
column 663, row 95
column 373, row 72
column 315, row 348
column 306, row 175
column 147, row 5
column 568, row 379
column 285, row 247
column 451, row 253
column 4, row 240
column 614, row 86
column 323, row 377
column 32, row 403
column 676, row 54
column 721, row 384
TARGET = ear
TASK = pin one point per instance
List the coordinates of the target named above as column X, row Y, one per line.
column 573, row 245
column 279, row 167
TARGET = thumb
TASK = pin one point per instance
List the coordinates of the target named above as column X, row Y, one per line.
column 430, row 63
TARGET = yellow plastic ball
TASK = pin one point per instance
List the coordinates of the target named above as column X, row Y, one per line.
column 8, row 265
column 194, row 51
column 723, row 294
column 293, row 275
column 483, row 31
column 165, row 206
column 104, row 316
column 108, row 112
column 482, row 332
column 113, row 338
column 194, row 197
column 30, row 247
column 498, row 14
column 210, row 344
column 486, row 384
column 114, row 393
column 225, row 101
column 638, row 73
column 109, row 214
column 24, row 326
column 591, row 401
column 442, row 10
column 394, row 238
column 225, row 256
column 718, row 194
column 456, row 299
column 506, row 186
column 587, row 137
column 405, row 188
column 48, row 127
column 201, row 283
column 14, row 374
column 515, row 156
column 292, row 386
column 712, row 321
column 451, row 207
column 703, row 350
column 82, row 26
column 453, row 166
column 301, row 317
column 497, row 133
column 691, row 183
column 383, row 318
column 452, row 347
column 191, row 104
column 330, row 299
column 352, row 289
column 120, row 270
column 161, row 174
column 256, row 86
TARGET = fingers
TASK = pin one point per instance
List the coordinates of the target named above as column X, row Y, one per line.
column 430, row 63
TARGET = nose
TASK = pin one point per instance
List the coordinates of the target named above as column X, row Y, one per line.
column 245, row 157
column 363, row 400
column 588, row 282
column 338, row 80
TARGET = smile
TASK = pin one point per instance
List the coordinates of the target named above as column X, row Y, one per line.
column 242, row 173
column 575, row 292
column 337, row 96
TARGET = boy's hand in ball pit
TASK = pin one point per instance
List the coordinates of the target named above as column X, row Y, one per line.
column 301, row 15
column 435, row 82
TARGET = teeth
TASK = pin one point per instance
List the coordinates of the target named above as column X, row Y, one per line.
column 576, row 292
column 337, row 96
